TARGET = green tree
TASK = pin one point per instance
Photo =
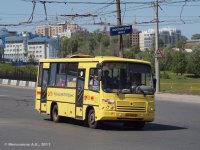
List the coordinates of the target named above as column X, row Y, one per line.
column 105, row 41
column 179, row 62
column 129, row 54
column 195, row 60
column 69, row 46
column 73, row 46
column 31, row 58
column 63, row 46
column 160, row 42
column 147, row 55
column 135, row 49
column 166, row 61
column 195, row 37
column 181, row 43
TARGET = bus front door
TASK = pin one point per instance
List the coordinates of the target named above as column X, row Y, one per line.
column 80, row 93
column 43, row 99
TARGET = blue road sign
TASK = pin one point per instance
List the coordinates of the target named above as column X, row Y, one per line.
column 120, row 30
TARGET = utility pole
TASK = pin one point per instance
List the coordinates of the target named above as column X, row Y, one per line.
column 157, row 61
column 45, row 49
column 119, row 23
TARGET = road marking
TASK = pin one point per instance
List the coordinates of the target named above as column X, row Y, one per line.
column 3, row 95
column 3, row 90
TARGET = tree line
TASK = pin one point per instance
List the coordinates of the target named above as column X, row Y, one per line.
column 100, row 43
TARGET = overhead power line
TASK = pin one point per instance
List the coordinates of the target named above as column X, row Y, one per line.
column 89, row 2
column 78, row 15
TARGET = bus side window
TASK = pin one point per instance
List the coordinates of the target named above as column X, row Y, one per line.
column 52, row 81
column 40, row 74
column 72, row 72
column 61, row 74
column 93, row 81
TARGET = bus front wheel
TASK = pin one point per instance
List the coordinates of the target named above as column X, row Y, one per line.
column 54, row 113
column 92, row 123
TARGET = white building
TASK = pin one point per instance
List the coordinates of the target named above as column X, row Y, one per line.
column 146, row 39
column 3, row 34
column 168, row 35
column 42, row 47
column 67, row 33
column 14, row 48
column 17, row 48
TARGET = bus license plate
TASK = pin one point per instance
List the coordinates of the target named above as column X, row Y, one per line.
column 131, row 115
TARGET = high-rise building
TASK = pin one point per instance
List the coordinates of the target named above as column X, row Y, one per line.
column 168, row 35
column 146, row 39
column 134, row 37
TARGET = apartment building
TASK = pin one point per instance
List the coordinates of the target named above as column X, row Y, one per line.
column 168, row 35
column 62, row 28
column 42, row 47
column 14, row 48
column 146, row 39
column 17, row 48
column 3, row 34
column 134, row 37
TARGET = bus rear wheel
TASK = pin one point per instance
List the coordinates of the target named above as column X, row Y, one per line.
column 54, row 114
column 92, row 123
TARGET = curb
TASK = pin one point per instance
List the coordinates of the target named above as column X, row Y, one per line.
column 178, row 98
column 18, row 83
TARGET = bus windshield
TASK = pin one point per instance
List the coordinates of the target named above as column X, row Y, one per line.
column 127, row 78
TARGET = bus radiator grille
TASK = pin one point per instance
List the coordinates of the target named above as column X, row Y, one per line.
column 131, row 106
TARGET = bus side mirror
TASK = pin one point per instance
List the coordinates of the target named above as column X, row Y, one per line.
column 99, row 74
column 154, row 84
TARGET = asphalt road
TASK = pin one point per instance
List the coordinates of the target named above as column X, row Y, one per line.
column 177, row 127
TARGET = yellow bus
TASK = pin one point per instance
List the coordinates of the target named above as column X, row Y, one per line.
column 96, row 89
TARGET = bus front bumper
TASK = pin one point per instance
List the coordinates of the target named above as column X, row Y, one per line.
column 130, row 116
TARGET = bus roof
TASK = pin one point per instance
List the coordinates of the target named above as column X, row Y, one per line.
column 89, row 58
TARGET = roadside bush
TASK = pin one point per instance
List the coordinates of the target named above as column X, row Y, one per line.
column 164, row 75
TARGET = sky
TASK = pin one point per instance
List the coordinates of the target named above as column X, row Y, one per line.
column 139, row 13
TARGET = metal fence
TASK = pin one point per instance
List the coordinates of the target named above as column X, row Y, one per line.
column 19, row 76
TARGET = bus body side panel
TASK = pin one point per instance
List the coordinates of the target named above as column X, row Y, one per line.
column 65, row 99
column 38, row 95
column 91, row 99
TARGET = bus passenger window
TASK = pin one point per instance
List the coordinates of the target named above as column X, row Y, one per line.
column 60, row 80
column 61, row 75
column 40, row 75
column 52, row 81
column 72, row 72
column 93, row 80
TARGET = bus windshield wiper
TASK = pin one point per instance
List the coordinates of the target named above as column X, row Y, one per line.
column 141, row 90
column 123, row 91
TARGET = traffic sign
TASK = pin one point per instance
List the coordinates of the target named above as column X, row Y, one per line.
column 118, row 30
column 158, row 54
